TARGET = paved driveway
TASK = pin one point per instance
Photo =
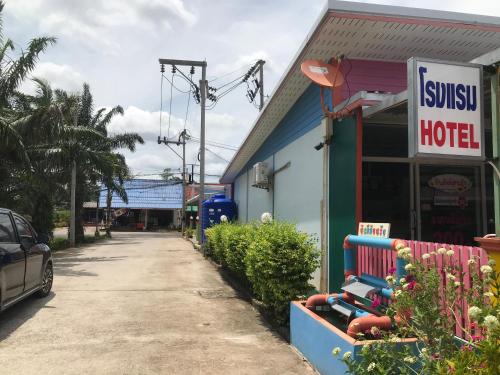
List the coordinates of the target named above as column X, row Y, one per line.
column 141, row 303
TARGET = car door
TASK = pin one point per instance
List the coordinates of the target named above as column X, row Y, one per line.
column 12, row 260
column 34, row 254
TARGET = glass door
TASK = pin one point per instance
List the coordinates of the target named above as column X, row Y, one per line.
column 449, row 204
column 387, row 191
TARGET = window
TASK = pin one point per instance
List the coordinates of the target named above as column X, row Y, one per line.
column 23, row 227
column 6, row 229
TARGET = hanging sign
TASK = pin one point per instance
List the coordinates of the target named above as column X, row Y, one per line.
column 382, row 230
column 445, row 109
column 450, row 183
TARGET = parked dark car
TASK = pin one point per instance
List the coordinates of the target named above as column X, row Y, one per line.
column 25, row 260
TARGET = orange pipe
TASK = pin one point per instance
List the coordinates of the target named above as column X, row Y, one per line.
column 321, row 299
column 360, row 325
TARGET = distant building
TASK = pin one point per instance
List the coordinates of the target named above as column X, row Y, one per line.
column 152, row 204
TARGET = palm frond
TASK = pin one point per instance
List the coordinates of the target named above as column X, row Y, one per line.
column 19, row 69
column 125, row 140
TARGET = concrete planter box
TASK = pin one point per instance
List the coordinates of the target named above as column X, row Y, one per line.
column 315, row 338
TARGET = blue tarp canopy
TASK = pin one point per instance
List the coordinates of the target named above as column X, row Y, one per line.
column 151, row 194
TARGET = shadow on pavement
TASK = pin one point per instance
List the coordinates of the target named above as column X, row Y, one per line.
column 15, row 316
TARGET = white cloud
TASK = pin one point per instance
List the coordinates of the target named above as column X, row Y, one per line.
column 153, row 158
column 59, row 76
column 94, row 23
column 146, row 123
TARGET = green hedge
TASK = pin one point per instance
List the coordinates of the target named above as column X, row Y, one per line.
column 276, row 258
column 61, row 218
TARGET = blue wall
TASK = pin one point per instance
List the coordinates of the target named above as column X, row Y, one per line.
column 303, row 116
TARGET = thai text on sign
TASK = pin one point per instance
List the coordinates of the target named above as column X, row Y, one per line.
column 382, row 230
column 445, row 109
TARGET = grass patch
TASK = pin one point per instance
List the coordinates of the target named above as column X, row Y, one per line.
column 58, row 243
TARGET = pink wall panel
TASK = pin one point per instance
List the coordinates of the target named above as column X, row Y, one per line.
column 373, row 76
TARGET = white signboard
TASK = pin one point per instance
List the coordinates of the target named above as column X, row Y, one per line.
column 445, row 109
column 382, row 230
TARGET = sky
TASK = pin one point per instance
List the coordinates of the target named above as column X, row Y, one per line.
column 114, row 46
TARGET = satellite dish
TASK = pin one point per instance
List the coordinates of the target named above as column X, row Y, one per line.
column 325, row 75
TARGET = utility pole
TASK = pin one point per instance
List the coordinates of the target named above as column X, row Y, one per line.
column 261, row 83
column 72, row 229
column 203, row 94
column 258, row 67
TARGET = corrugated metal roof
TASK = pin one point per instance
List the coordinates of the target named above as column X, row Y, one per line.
column 153, row 194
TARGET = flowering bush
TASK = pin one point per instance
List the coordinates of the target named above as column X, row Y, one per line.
column 425, row 310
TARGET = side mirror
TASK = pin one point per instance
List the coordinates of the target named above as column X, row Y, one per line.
column 43, row 238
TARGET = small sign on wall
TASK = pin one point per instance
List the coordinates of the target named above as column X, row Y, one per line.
column 445, row 109
column 382, row 230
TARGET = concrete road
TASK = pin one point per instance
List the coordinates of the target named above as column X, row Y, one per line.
column 141, row 303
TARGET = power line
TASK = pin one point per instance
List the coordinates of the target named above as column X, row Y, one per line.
column 224, row 145
column 234, row 71
column 220, row 157
column 170, row 109
column 175, row 87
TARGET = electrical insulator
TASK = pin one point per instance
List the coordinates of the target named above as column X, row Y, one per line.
column 162, row 69
column 192, row 70
column 174, row 69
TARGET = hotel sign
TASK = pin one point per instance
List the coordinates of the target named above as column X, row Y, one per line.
column 445, row 109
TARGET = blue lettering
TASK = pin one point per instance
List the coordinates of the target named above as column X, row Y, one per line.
column 460, row 97
column 446, row 94
column 421, row 71
column 471, row 99
column 429, row 90
column 440, row 94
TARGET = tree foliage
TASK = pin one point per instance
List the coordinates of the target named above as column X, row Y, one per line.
column 45, row 135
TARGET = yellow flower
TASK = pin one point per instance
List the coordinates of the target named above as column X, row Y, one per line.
column 336, row 351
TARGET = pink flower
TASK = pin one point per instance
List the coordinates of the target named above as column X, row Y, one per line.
column 392, row 270
column 476, row 338
column 376, row 302
column 411, row 285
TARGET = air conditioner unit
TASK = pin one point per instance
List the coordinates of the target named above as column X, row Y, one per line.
column 260, row 175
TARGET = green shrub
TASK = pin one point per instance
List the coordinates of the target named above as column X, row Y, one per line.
column 61, row 218
column 236, row 239
column 58, row 243
column 279, row 263
column 215, row 242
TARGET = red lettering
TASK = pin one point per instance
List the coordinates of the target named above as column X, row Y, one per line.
column 451, row 127
column 426, row 132
column 439, row 128
column 462, row 135
column 473, row 143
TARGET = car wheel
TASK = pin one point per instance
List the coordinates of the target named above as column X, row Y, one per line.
column 48, row 278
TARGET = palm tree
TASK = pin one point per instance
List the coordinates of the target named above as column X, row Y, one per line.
column 12, row 73
column 95, row 158
column 13, row 70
